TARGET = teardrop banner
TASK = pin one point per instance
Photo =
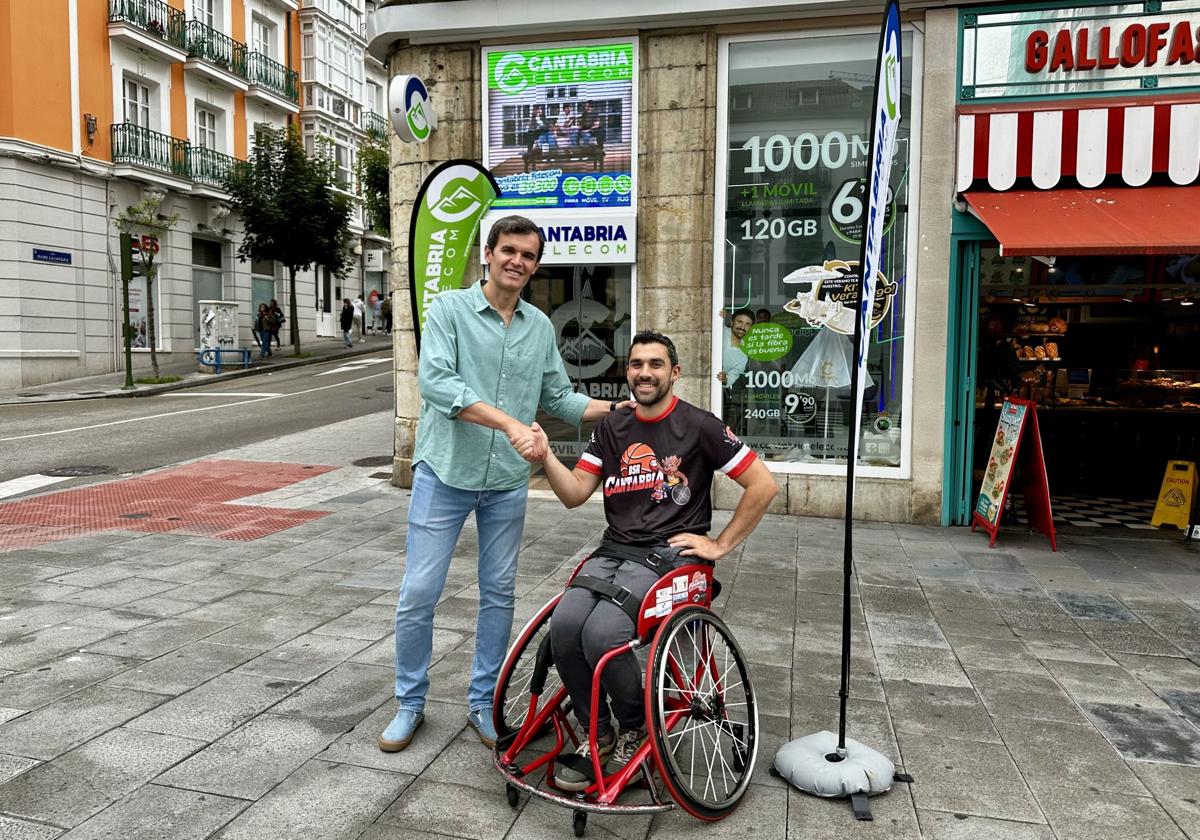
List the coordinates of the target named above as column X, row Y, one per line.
column 446, row 214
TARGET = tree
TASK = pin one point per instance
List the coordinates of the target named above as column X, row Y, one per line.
column 144, row 219
column 374, row 175
column 290, row 210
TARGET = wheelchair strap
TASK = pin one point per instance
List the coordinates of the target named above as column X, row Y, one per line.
column 648, row 557
column 618, row 595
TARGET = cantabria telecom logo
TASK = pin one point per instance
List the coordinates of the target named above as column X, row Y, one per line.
column 515, row 71
column 412, row 114
column 455, row 195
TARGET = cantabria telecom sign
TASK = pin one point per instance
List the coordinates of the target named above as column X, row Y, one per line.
column 412, row 114
column 571, row 239
column 513, row 72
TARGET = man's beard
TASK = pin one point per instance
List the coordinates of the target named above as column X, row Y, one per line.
column 651, row 398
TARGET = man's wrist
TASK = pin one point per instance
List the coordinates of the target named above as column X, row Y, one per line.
column 612, row 406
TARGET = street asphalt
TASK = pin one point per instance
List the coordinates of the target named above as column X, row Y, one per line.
column 159, row 680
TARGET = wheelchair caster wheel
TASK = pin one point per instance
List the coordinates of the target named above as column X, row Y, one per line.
column 513, row 795
column 579, row 822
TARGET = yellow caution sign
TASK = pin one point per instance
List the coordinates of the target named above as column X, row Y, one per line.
column 1175, row 497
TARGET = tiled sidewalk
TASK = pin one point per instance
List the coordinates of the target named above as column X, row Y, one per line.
column 169, row 686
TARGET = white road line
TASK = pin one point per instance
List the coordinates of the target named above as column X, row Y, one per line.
column 354, row 366
column 192, row 410
column 24, row 484
column 223, row 394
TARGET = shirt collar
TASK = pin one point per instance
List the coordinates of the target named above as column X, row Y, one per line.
column 481, row 304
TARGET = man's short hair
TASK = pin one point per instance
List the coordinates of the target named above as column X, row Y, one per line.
column 652, row 337
column 749, row 313
column 518, row 225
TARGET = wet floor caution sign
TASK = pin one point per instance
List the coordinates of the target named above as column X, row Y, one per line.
column 1176, row 496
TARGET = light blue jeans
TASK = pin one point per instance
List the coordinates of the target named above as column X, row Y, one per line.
column 436, row 515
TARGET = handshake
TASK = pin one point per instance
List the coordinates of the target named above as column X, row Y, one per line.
column 530, row 442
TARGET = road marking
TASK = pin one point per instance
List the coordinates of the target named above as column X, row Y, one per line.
column 224, row 394
column 357, row 365
column 16, row 486
column 193, row 410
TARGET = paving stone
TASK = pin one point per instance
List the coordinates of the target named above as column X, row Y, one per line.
column 304, row 658
column 268, row 631
column 58, row 678
column 216, row 707
column 763, row 814
column 161, row 606
column 1175, row 787
column 820, row 673
column 867, row 721
column 155, row 639
column 251, row 760
column 156, row 812
column 1127, row 637
column 54, row 729
column 1067, row 647
column 443, row 723
column 183, row 669
column 946, row 711
column 1180, row 629
column 456, row 810
column 238, row 607
column 369, row 622
column 919, row 664
column 12, row 766
column 37, row 648
column 83, row 782
column 831, row 819
column 1093, row 606
column 304, row 583
column 1025, row 695
column 889, row 629
column 1147, row 734
column 937, row 825
column 967, row 777
column 383, row 652
column 1162, row 672
column 538, row 820
column 118, row 620
column 29, row 618
column 119, row 592
column 1078, row 814
column 1066, row 755
column 1088, row 683
column 996, row 654
column 1186, row 703
column 343, row 800
column 345, row 695
column 14, row 829
column 213, row 588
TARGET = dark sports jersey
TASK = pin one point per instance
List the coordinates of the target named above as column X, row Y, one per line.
column 656, row 474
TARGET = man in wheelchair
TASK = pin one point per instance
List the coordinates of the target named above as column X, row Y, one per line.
column 656, row 464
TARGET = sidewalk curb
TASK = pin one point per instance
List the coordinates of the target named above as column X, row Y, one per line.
column 151, row 390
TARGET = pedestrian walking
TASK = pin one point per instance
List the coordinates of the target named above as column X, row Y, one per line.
column 360, row 315
column 387, row 313
column 376, row 301
column 277, row 315
column 476, row 341
column 264, row 324
column 347, row 321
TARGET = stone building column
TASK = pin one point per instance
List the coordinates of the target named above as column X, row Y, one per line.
column 451, row 74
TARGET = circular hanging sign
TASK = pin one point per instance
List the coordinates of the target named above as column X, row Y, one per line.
column 412, row 114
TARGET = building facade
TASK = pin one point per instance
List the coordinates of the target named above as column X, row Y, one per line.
column 106, row 103
column 714, row 191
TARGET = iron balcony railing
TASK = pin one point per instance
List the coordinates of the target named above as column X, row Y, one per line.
column 149, row 149
column 274, row 76
column 216, row 47
column 154, row 17
column 208, row 166
column 377, row 125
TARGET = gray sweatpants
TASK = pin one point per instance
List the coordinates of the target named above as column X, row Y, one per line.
column 585, row 626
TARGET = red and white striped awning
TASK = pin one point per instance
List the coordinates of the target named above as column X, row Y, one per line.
column 1049, row 144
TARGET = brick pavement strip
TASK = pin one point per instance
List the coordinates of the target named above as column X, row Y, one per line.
column 175, row 686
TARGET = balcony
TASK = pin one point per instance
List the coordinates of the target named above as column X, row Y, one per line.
column 208, row 169
column 216, row 56
column 150, row 26
column 146, row 155
column 376, row 125
column 272, row 83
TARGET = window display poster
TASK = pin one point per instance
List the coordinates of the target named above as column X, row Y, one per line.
column 139, row 312
column 559, row 124
column 795, row 179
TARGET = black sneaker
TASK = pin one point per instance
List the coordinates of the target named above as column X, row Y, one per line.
column 628, row 743
column 574, row 772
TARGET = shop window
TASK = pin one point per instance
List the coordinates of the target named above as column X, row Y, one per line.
column 794, row 125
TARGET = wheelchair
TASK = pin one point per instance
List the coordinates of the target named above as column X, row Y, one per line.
column 701, row 710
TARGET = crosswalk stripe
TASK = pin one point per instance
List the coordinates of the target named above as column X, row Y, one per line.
column 25, row 483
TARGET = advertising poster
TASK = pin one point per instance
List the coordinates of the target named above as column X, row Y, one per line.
column 559, row 123
column 139, row 312
column 1000, row 463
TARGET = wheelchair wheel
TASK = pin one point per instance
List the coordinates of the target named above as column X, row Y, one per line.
column 701, row 713
column 512, row 689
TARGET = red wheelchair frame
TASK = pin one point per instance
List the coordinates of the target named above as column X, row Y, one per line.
column 697, row 684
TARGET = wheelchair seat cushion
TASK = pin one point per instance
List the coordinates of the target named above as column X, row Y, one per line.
column 804, row 764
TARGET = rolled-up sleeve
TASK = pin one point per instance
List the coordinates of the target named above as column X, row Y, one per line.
column 441, row 387
column 557, row 396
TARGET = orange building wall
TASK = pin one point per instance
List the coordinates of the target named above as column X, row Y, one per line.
column 239, row 126
column 6, row 81
column 37, row 89
column 95, row 79
column 179, row 111
column 237, row 26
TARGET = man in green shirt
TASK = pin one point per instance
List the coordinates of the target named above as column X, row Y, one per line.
column 488, row 360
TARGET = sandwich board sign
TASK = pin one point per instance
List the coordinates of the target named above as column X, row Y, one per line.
column 1017, row 438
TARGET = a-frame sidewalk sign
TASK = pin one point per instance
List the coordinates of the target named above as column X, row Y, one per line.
column 1017, row 439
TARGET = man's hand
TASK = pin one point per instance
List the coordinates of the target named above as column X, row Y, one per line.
column 525, row 440
column 721, row 377
column 630, row 404
column 698, row 545
column 539, row 446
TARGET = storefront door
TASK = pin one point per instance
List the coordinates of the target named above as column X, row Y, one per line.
column 590, row 308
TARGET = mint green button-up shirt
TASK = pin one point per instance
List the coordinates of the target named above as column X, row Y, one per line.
column 468, row 355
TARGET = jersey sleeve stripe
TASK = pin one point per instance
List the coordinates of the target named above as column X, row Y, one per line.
column 739, row 462
column 589, row 463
